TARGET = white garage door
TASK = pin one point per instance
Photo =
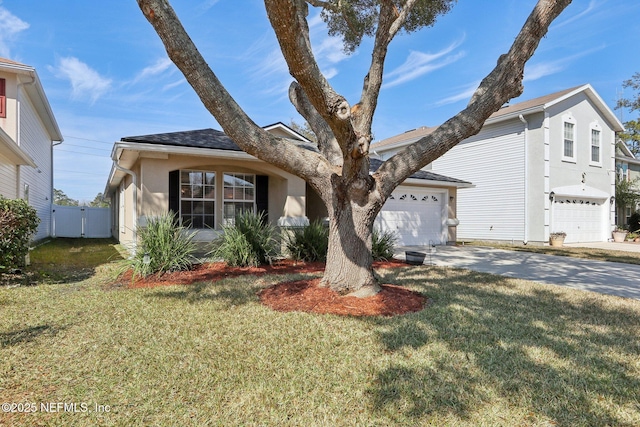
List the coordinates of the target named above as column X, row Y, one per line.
column 416, row 216
column 582, row 219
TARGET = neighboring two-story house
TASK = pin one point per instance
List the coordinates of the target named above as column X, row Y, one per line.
column 28, row 132
column 628, row 169
column 538, row 166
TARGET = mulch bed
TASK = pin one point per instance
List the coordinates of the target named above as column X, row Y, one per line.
column 302, row 295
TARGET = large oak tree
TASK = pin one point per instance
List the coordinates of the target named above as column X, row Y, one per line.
column 339, row 170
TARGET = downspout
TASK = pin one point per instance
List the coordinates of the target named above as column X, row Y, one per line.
column 525, row 240
column 134, row 215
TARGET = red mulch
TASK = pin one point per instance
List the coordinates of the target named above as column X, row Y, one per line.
column 301, row 295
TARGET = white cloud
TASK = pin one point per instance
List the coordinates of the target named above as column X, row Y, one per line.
column 10, row 25
column 174, row 84
column 542, row 69
column 85, row 81
column 590, row 8
column 418, row 64
column 464, row 94
column 161, row 65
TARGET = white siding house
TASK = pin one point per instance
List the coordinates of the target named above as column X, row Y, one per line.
column 28, row 131
column 539, row 166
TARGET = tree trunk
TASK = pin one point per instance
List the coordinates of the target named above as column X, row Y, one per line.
column 349, row 267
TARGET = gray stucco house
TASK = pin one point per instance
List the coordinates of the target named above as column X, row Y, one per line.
column 539, row 166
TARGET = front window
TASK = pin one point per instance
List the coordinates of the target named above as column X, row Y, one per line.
column 197, row 198
column 596, row 143
column 569, row 140
column 239, row 195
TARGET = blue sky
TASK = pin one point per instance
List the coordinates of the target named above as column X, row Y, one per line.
column 107, row 76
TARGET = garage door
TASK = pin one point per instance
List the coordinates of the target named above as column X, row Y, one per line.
column 582, row 219
column 416, row 216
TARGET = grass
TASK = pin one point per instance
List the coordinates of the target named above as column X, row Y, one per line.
column 487, row 351
column 576, row 252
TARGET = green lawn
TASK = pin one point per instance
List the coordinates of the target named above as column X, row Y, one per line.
column 487, row 351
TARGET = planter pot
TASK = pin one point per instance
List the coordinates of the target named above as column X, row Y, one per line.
column 556, row 241
column 414, row 258
column 619, row 236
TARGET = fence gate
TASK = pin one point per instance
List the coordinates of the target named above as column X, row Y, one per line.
column 81, row 221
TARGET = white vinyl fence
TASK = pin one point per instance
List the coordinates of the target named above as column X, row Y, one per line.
column 81, row 221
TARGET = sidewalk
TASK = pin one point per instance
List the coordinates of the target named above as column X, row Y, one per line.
column 598, row 276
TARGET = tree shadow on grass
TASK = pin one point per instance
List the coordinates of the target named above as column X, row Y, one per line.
column 564, row 357
column 25, row 335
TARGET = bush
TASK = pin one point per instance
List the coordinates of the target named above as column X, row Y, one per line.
column 309, row 243
column 248, row 242
column 634, row 222
column 382, row 245
column 18, row 222
column 169, row 246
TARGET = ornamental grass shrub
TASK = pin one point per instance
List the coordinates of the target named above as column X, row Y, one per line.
column 383, row 244
column 309, row 243
column 18, row 222
column 167, row 245
column 248, row 241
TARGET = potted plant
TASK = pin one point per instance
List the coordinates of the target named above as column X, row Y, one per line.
column 619, row 235
column 557, row 238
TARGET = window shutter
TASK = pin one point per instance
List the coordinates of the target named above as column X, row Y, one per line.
column 3, row 99
column 262, row 195
column 174, row 192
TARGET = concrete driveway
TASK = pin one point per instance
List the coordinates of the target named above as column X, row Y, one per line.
column 597, row 276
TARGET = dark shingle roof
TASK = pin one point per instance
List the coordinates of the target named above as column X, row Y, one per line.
column 215, row 139
column 202, row 138
column 421, row 174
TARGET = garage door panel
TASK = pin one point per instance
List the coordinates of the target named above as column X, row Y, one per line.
column 414, row 216
column 581, row 219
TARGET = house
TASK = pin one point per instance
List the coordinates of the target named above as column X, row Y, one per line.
column 28, row 132
column 538, row 166
column 628, row 169
column 206, row 179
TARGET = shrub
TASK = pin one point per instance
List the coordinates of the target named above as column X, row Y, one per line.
column 382, row 245
column 18, row 222
column 308, row 243
column 248, row 242
column 169, row 247
column 634, row 221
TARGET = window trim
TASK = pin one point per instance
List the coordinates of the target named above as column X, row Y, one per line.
column 224, row 220
column 569, row 119
column 213, row 199
column 595, row 127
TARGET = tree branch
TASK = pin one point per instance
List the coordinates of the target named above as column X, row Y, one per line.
column 389, row 23
column 234, row 121
column 503, row 83
column 327, row 143
column 288, row 19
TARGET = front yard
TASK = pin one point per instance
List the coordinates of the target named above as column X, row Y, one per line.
column 487, row 351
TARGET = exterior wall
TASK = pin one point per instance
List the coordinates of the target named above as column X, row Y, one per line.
column 497, row 151
column 35, row 142
column 8, row 176
column 537, row 204
column 24, row 126
column 286, row 192
column 582, row 171
column 10, row 123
